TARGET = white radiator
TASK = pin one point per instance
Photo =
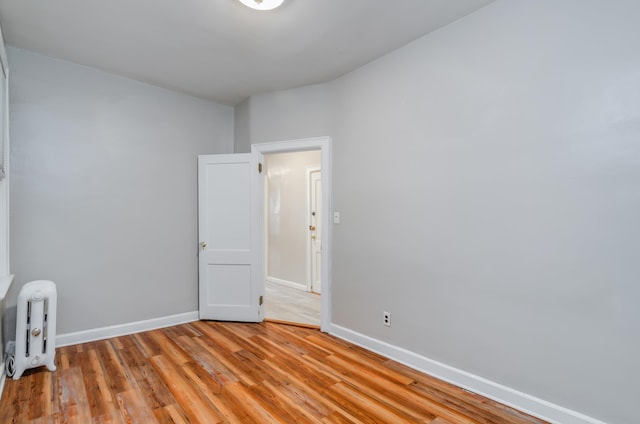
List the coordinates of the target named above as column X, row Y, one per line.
column 35, row 329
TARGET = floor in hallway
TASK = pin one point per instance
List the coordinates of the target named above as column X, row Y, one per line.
column 284, row 303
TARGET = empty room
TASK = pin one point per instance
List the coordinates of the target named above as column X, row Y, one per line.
column 336, row 211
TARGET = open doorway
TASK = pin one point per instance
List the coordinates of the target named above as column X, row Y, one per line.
column 293, row 237
column 323, row 230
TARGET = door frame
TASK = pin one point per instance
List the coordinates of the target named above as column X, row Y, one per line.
column 309, row 170
column 324, row 145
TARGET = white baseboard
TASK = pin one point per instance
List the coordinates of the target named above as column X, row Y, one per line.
column 506, row 395
column 124, row 329
column 292, row 284
column 3, row 378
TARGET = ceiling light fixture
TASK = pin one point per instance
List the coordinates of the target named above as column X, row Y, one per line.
column 262, row 4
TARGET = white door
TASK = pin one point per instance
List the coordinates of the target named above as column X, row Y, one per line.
column 315, row 230
column 229, row 272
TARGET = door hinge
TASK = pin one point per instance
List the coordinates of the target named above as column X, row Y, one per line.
column 260, row 300
column 259, row 168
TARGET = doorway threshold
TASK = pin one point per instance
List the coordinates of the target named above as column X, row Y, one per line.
column 295, row 324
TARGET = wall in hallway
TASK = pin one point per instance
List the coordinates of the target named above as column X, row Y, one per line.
column 286, row 213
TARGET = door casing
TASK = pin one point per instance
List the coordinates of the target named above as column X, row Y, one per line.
column 324, row 145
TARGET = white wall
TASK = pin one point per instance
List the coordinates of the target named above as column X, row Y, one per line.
column 488, row 178
column 284, row 115
column 104, row 188
column 287, row 218
column 242, row 127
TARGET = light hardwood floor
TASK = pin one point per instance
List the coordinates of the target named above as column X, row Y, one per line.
column 210, row 372
column 284, row 303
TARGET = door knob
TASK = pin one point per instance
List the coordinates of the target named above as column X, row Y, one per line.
column 203, row 245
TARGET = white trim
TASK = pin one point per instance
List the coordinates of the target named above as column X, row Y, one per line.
column 3, row 56
column 3, row 379
column 487, row 388
column 124, row 329
column 324, row 145
column 5, row 267
column 282, row 282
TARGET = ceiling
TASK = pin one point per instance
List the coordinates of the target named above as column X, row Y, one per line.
column 219, row 49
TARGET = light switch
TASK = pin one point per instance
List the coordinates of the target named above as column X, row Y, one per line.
column 336, row 217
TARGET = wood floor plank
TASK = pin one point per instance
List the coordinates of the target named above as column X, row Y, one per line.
column 211, row 389
column 301, row 340
column 307, row 397
column 380, row 411
column 217, row 372
column 300, row 369
column 208, row 361
column 354, row 355
column 151, row 385
column 168, row 347
column 119, row 377
column 218, row 337
column 223, row 365
column 347, row 348
column 36, row 388
column 170, row 414
column 13, row 412
column 443, row 393
column 193, row 402
column 250, row 405
column 50, row 403
column 274, row 397
column 131, row 352
column 338, row 417
column 257, row 349
column 73, row 396
column 181, row 330
column 134, row 408
column 385, row 391
column 146, row 345
column 197, row 408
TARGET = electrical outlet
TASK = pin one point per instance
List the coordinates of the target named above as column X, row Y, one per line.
column 386, row 318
